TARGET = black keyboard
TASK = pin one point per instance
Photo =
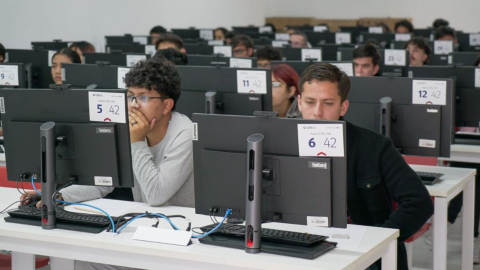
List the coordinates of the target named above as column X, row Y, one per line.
column 63, row 217
column 429, row 178
column 269, row 235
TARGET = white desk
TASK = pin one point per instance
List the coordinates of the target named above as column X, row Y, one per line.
column 24, row 240
column 2, row 160
column 463, row 153
column 453, row 182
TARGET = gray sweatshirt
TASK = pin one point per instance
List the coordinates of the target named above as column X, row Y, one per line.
column 163, row 173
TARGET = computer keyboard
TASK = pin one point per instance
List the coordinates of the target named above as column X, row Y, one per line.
column 429, row 178
column 269, row 235
column 90, row 220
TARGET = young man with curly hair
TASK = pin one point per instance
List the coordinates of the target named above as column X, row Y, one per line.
column 161, row 142
column 266, row 55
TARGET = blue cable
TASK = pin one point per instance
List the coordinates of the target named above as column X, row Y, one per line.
column 228, row 212
column 83, row 204
column 143, row 215
column 33, row 184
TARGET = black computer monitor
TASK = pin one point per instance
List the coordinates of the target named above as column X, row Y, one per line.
column 384, row 39
column 198, row 34
column 355, row 31
column 346, row 54
column 131, row 48
column 329, row 52
column 400, row 45
column 128, row 39
column 93, row 76
column 320, row 38
column 467, row 96
column 463, row 58
column 216, row 90
column 205, row 49
column 62, row 135
column 263, row 41
column 300, row 66
column 216, row 60
column 415, row 129
column 426, row 33
column 468, row 42
column 39, row 61
column 118, row 59
column 14, row 75
column 298, row 187
column 256, row 35
column 51, row 45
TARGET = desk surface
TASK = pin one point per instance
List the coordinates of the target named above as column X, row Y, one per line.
column 107, row 248
column 464, row 153
column 452, row 180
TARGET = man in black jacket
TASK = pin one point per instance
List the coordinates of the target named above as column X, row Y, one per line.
column 377, row 174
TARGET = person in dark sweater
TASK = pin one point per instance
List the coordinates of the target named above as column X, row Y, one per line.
column 377, row 175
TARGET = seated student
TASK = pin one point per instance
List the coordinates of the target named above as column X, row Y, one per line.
column 63, row 56
column 220, row 33
column 419, row 51
column 291, row 29
column 377, row 174
column 266, row 55
column 81, row 47
column 161, row 140
column 366, row 60
column 285, row 91
column 173, row 56
column 477, row 62
column 156, row 32
column 299, row 40
column 445, row 33
column 229, row 36
column 385, row 27
column 242, row 46
column 439, row 22
column 2, row 53
column 170, row 40
column 403, row 27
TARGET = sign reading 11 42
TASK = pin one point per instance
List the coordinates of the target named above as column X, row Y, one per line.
column 107, row 107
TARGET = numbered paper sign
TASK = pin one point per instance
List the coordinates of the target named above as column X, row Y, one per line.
column 429, row 92
column 345, row 67
column 311, row 54
column 50, row 57
column 341, row 38
column 133, row 59
column 403, row 36
column 9, row 75
column 240, row 63
column 252, row 81
column 320, row 28
column 279, row 43
column 121, row 72
column 63, row 75
column 206, row 34
column 474, row 39
column 395, row 58
column 477, row 78
column 320, row 140
column 150, row 49
column 225, row 50
column 282, row 36
column 215, row 42
column 443, row 46
column 375, row 30
column 107, row 107
column 265, row 29
column 141, row 40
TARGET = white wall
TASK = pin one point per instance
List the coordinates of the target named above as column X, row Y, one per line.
column 23, row 21
column 462, row 14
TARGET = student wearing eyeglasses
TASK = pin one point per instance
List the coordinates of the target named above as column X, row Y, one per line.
column 242, row 46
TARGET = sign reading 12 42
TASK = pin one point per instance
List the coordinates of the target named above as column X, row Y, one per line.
column 107, row 107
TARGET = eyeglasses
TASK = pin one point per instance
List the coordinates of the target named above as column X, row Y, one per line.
column 266, row 65
column 238, row 51
column 142, row 99
column 276, row 84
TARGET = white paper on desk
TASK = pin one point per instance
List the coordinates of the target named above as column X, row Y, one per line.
column 112, row 207
column 165, row 236
column 355, row 233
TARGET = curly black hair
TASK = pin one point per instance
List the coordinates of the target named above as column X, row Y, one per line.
column 2, row 52
column 156, row 74
column 173, row 56
column 268, row 53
